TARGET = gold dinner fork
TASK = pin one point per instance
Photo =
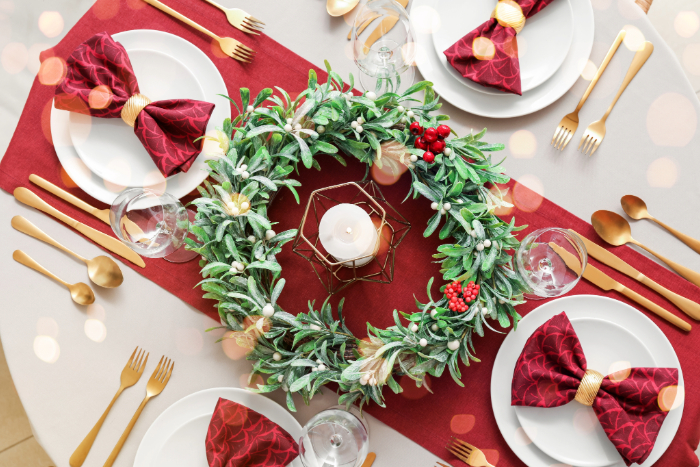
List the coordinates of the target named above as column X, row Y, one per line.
column 568, row 125
column 231, row 47
column 130, row 376
column 158, row 380
column 468, row 453
column 239, row 19
column 596, row 131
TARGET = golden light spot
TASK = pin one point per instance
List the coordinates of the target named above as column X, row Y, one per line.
column 430, row 21
column 14, row 57
column 96, row 311
column 634, row 39
column 105, row 9
column 189, row 341
column 47, row 327
column 524, row 437
column 483, row 48
column 528, row 193
column 389, row 173
column 522, row 144
column 601, row 4
column 422, row 58
column 155, row 181
column 52, row 71
column 216, row 49
column 462, row 423
column 589, row 70
column 492, row 455
column 585, row 420
column 51, row 23
column 619, row 371
column 95, row 330
column 135, row 4
column 247, row 382
column 100, row 97
column 505, row 192
column 410, row 391
column 662, row 173
column 671, row 397
column 686, row 23
column 409, row 52
column 690, row 59
column 231, row 348
column 672, row 120
column 46, row 348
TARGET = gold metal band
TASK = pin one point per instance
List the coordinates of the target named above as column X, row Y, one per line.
column 509, row 15
column 133, row 108
column 588, row 389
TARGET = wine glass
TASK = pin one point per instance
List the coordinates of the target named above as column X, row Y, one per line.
column 543, row 270
column 384, row 46
column 152, row 224
column 335, row 437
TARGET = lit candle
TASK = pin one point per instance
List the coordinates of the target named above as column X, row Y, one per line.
column 346, row 231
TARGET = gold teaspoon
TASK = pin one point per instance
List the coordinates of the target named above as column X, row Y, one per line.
column 614, row 229
column 340, row 7
column 80, row 293
column 636, row 208
column 102, row 270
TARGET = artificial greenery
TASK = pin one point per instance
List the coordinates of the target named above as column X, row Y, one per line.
column 269, row 140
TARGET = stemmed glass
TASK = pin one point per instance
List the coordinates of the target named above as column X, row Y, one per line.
column 152, row 224
column 335, row 437
column 386, row 64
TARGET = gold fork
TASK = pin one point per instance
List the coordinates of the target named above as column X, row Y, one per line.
column 159, row 379
column 596, row 131
column 130, row 376
column 568, row 125
column 230, row 46
column 239, row 19
column 468, row 453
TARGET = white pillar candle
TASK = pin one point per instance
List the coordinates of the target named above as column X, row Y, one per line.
column 346, row 231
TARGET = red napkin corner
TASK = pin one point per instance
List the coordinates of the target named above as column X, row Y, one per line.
column 241, row 437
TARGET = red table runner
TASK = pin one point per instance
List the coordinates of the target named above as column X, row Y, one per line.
column 426, row 419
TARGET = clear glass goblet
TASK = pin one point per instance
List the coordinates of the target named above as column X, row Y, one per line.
column 384, row 47
column 543, row 270
column 152, row 224
column 335, row 437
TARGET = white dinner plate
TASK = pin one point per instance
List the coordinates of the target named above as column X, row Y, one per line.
column 178, row 185
column 506, row 105
column 177, row 437
column 539, row 56
column 610, row 332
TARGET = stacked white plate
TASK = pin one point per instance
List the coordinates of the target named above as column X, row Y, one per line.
column 614, row 336
column 103, row 155
column 554, row 47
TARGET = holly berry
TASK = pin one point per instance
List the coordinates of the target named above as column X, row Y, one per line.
column 416, row 129
column 421, row 144
column 430, row 135
column 428, row 157
column 437, row 147
column 443, row 131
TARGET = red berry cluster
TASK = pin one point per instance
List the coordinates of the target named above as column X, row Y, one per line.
column 468, row 295
column 432, row 140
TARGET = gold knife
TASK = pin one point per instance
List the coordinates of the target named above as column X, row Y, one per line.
column 686, row 305
column 605, row 282
column 30, row 198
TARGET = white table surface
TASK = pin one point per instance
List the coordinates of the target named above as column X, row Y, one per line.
column 651, row 150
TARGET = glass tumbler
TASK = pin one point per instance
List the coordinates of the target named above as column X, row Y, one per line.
column 335, row 438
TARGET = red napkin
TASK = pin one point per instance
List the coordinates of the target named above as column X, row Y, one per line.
column 629, row 407
column 489, row 54
column 99, row 82
column 241, row 437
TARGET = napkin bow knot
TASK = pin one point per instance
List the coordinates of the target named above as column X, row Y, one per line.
column 631, row 407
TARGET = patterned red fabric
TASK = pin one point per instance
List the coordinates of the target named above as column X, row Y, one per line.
column 551, row 367
column 241, row 437
column 99, row 81
column 503, row 70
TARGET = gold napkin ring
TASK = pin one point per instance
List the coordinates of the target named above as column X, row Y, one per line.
column 133, row 108
column 509, row 15
column 588, row 389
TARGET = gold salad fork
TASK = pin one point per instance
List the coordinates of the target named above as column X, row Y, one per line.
column 568, row 125
column 231, row 47
column 596, row 131
column 239, row 19
column 130, row 376
column 158, row 380
column 468, row 453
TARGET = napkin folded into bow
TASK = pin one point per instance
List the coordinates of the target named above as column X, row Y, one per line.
column 489, row 54
column 241, row 437
column 100, row 82
column 552, row 371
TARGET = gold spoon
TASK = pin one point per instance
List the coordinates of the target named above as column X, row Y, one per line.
column 636, row 208
column 340, row 7
column 102, row 270
column 80, row 293
column 614, row 229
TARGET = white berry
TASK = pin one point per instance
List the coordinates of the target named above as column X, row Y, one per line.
column 453, row 345
column 404, row 120
column 315, row 327
column 285, row 388
column 360, row 120
column 363, row 381
column 433, row 313
column 320, row 129
column 410, row 113
column 319, row 361
column 447, row 206
column 423, row 342
column 244, row 167
column 240, row 266
column 280, row 378
column 233, row 270
column 290, row 120
column 373, row 381
column 501, row 301
column 494, row 244
column 277, row 356
column 442, row 211
column 413, row 158
column 297, row 126
column 314, row 369
column 370, row 95
column 251, row 239
column 268, row 310
column 245, row 175
column 485, row 311
column 480, row 247
column 434, row 206
column 269, row 235
column 447, row 151
column 473, row 233
column 245, row 205
column 487, row 243
column 400, row 108
column 354, row 124
column 414, row 327
column 250, row 108
column 321, row 367
column 359, row 129
column 434, row 327
column 288, row 127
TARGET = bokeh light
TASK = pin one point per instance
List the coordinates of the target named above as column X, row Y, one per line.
column 686, row 23
column 121, row 167
column 247, row 382
column 135, row 4
column 462, row 423
column 619, row 371
column 522, row 144
column 429, row 19
column 520, row 49
column 672, row 120
column 662, row 173
column 80, row 127
column 671, row 397
column 349, row 17
column 46, row 121
column 189, row 341
column 216, row 49
column 52, row 71
column 231, row 347
column 105, row 9
column 51, row 23
column 589, row 70
column 523, row 438
column 483, row 48
column 492, row 456
column 528, row 193
column 100, row 97
column 96, row 311
column 46, row 348
column 634, row 38
column 410, row 391
column 691, row 59
column 47, row 327
column 409, row 52
column 14, row 57
column 113, row 187
column 155, row 181
column 585, row 420
column 389, row 173
column 95, row 330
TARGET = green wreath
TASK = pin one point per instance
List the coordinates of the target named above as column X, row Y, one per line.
column 262, row 146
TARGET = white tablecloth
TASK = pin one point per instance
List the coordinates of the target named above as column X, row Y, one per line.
column 651, row 150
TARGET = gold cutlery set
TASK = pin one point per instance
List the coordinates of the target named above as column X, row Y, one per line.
column 466, row 453
column 130, row 376
column 595, row 132
column 238, row 18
